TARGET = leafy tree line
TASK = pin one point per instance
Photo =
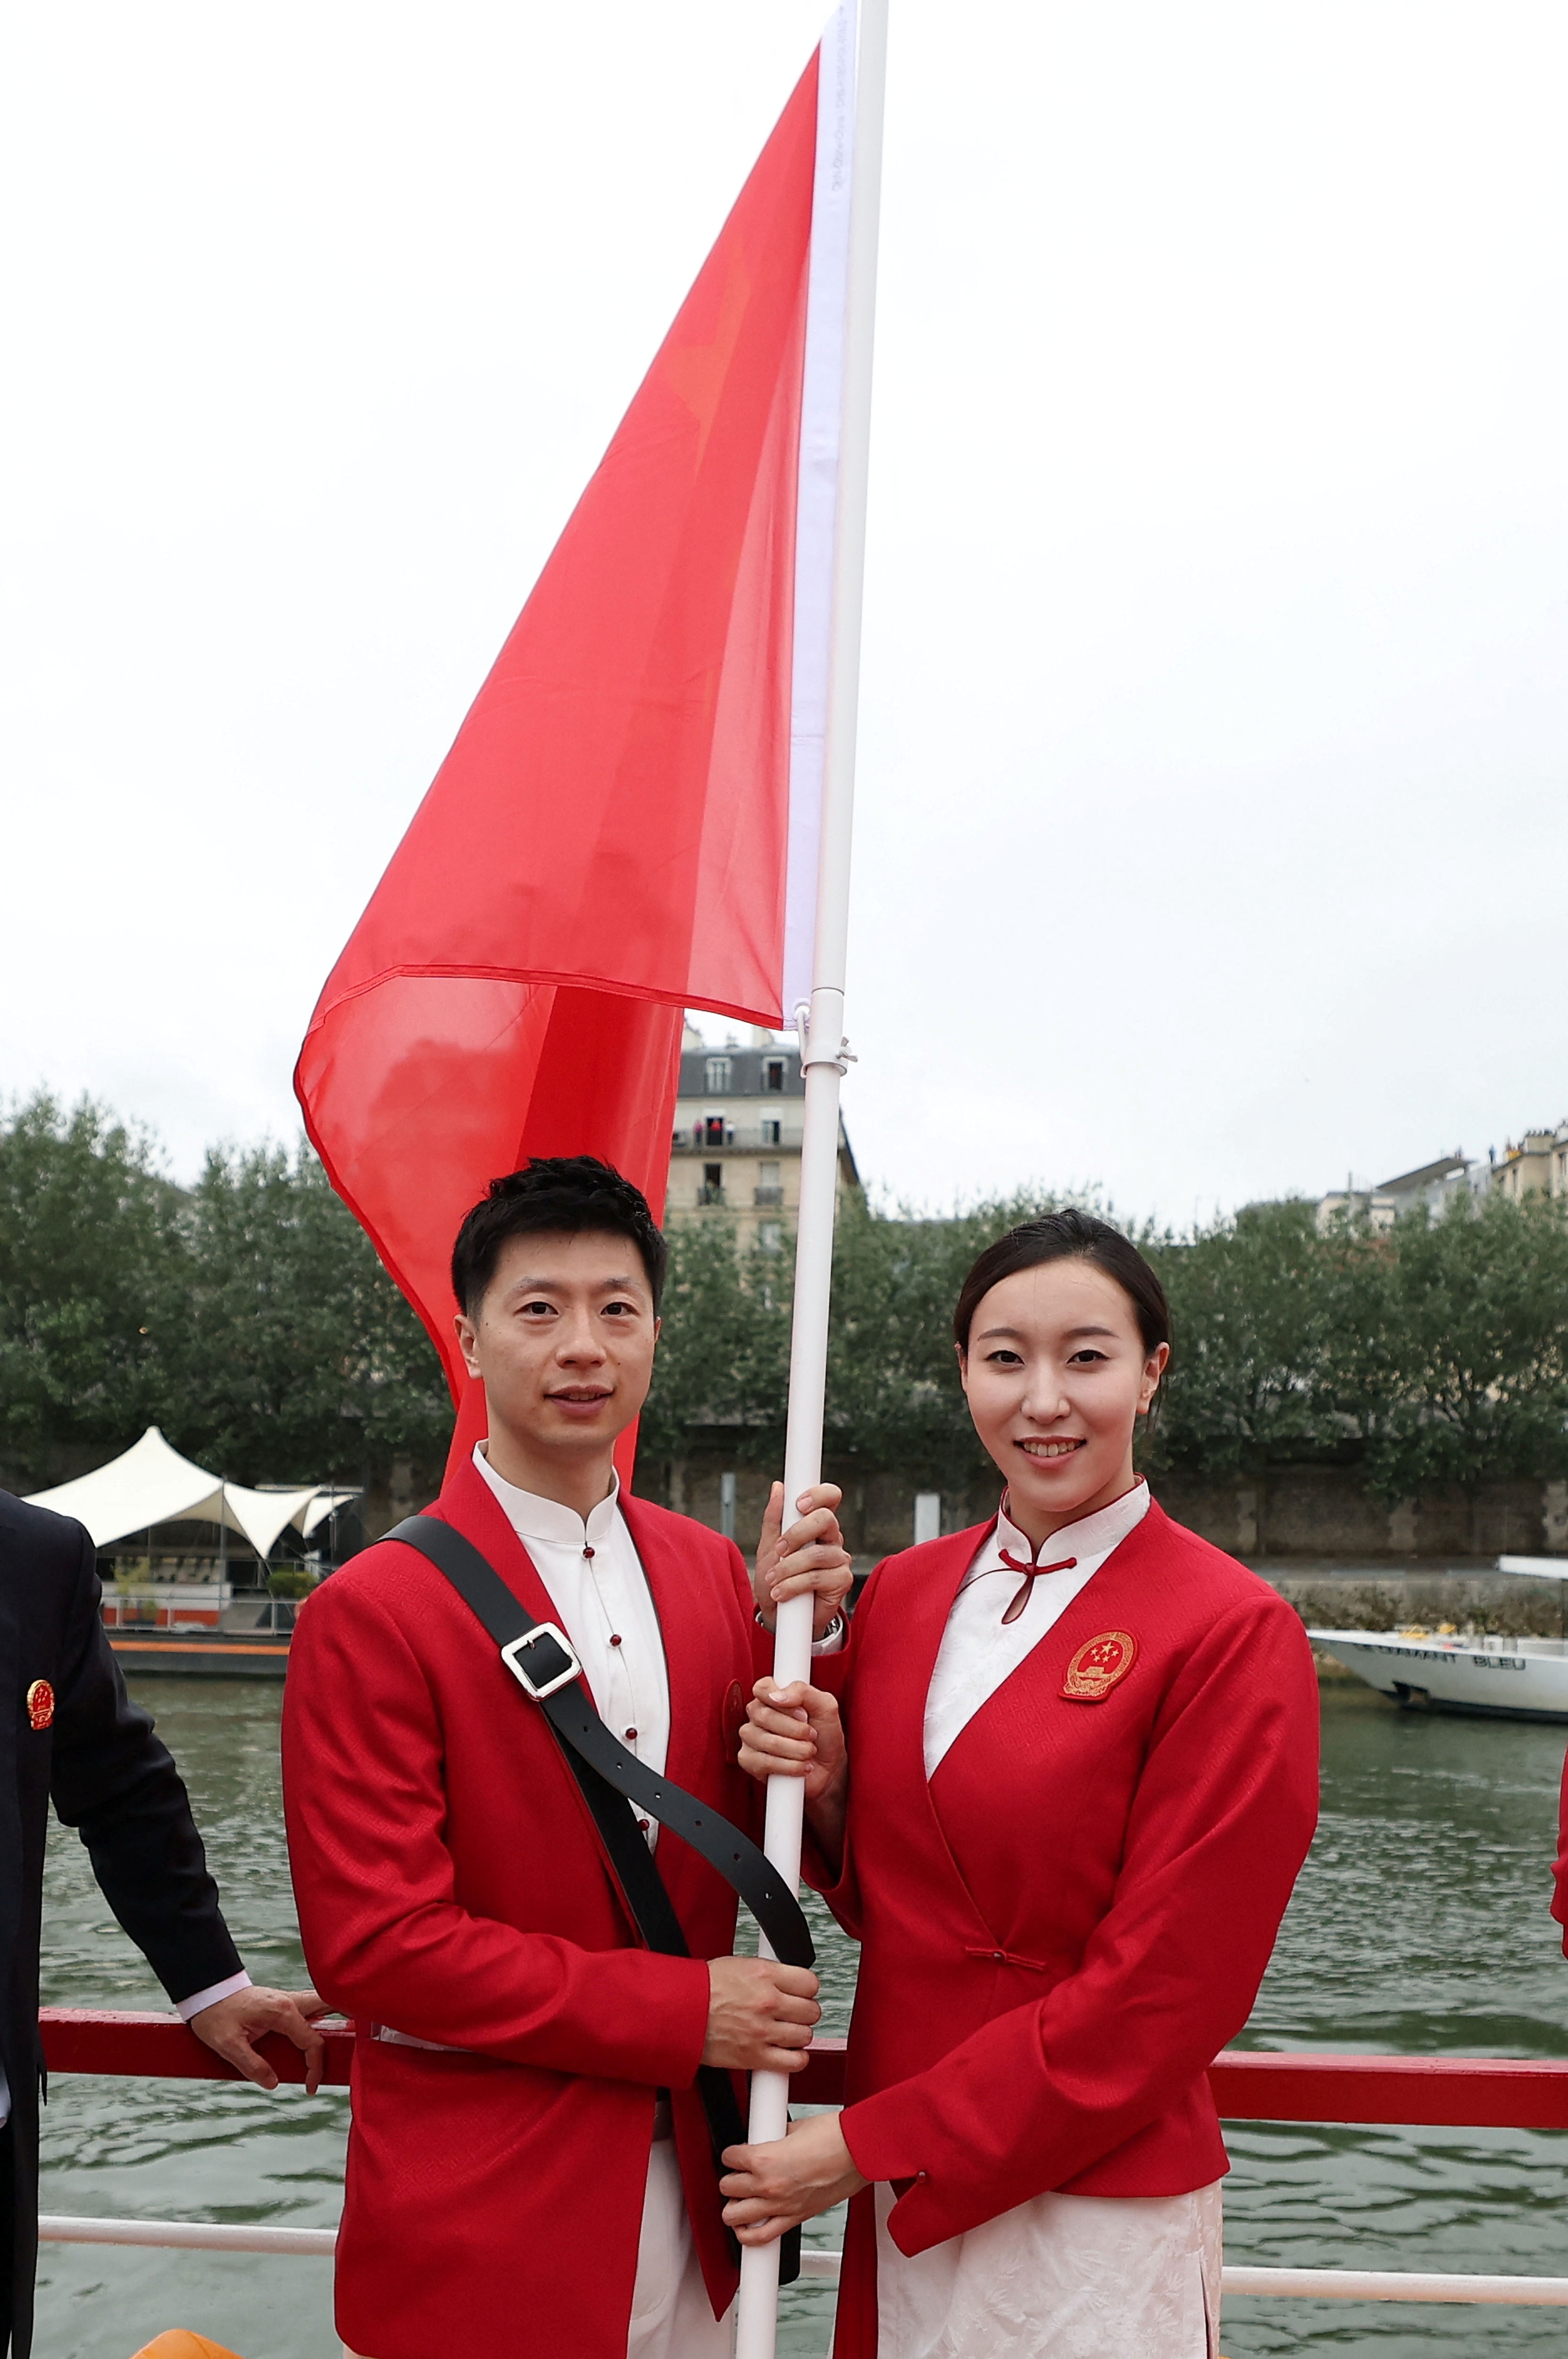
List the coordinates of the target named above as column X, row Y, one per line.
column 249, row 1316
column 1434, row 1352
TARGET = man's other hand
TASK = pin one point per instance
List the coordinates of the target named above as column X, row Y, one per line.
column 810, row 1556
column 760, row 2014
column 230, row 2025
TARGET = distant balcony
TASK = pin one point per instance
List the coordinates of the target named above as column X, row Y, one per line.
column 705, row 1139
column 767, row 1196
column 707, row 1195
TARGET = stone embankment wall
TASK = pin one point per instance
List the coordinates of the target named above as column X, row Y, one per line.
column 1321, row 1513
column 1328, row 1512
column 1421, row 1596
column 1344, row 1558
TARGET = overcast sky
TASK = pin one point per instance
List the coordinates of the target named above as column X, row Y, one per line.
column 1212, row 826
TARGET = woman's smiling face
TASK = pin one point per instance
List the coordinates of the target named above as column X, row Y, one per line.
column 1055, row 1375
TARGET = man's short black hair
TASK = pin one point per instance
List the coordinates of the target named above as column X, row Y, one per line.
column 555, row 1193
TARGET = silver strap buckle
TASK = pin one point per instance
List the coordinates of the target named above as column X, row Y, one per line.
column 513, row 1652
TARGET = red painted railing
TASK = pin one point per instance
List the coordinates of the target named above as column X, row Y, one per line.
column 1456, row 2092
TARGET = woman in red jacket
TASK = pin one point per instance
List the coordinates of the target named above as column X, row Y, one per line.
column 1060, row 1794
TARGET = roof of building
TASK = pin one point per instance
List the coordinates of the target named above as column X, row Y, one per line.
column 1408, row 1182
column 747, row 1072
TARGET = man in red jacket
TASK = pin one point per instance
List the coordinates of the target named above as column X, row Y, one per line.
column 529, row 2167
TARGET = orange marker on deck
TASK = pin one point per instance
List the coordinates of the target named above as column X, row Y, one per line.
column 179, row 2344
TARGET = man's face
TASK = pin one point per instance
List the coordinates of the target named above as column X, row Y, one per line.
column 564, row 1340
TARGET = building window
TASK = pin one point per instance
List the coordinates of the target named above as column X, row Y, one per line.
column 773, row 1074
column 768, row 1189
column 770, row 1236
column 772, row 1132
column 713, row 1188
column 718, row 1073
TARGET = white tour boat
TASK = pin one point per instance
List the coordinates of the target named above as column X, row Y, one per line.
column 1446, row 1670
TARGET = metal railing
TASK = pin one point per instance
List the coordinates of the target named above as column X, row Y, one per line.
column 739, row 1139
column 1449, row 2092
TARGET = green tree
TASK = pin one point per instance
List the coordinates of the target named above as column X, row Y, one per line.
column 1252, row 1309
column 894, row 1401
column 292, row 1355
column 723, row 1355
column 1463, row 1374
column 89, row 1245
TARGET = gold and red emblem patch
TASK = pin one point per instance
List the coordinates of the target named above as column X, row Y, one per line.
column 1098, row 1665
column 41, row 1704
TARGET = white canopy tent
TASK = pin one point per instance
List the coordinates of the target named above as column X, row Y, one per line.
column 151, row 1484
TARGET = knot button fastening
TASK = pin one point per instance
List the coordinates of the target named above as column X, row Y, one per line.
column 615, row 1637
column 631, row 1733
column 1032, row 1573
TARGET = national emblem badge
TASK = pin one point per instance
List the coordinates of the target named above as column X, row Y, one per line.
column 41, row 1704
column 1098, row 1665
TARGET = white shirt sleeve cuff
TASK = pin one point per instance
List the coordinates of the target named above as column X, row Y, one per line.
column 212, row 1994
column 834, row 1640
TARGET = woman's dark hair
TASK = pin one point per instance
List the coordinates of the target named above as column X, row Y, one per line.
column 1058, row 1236
column 554, row 1192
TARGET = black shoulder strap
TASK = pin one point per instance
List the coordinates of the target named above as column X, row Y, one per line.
column 540, row 1657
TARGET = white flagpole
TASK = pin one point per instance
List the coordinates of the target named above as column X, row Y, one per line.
column 822, row 1047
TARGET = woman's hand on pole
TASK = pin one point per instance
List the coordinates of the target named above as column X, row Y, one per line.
column 774, row 2187
column 810, row 1556
column 796, row 1731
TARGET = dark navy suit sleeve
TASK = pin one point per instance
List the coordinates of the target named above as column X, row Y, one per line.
column 114, row 1780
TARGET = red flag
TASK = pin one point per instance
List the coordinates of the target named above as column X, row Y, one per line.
column 613, row 836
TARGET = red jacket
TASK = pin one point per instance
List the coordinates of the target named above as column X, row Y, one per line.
column 1062, row 1927
column 1560, row 1865
column 451, row 1884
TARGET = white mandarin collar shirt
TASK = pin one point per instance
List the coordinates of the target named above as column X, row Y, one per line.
column 602, row 1601
column 978, row 1649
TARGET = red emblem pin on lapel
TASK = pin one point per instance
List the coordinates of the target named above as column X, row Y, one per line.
column 1097, row 1667
column 41, row 1704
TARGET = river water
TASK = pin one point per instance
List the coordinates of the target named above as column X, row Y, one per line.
column 1419, row 1925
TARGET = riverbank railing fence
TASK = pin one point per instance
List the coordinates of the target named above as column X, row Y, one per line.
column 1250, row 2085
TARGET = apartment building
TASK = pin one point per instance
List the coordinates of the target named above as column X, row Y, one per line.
column 736, row 1148
column 1432, row 1184
column 1536, row 1165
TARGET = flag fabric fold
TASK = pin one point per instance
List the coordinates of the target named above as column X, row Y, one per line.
column 609, row 839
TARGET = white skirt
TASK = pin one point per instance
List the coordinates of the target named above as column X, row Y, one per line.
column 671, row 2315
column 1079, row 2277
